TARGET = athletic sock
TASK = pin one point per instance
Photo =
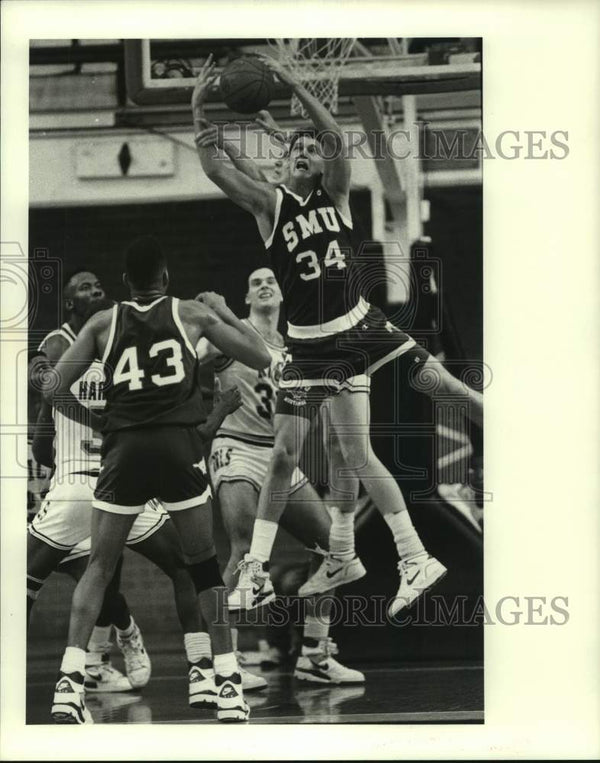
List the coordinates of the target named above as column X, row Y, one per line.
column 226, row 664
column 98, row 645
column 341, row 535
column 315, row 629
column 128, row 632
column 408, row 543
column 263, row 538
column 73, row 660
column 234, row 639
column 197, row 649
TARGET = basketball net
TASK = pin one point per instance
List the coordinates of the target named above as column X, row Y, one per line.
column 317, row 63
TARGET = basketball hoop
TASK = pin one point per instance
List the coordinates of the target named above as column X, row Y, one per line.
column 317, row 63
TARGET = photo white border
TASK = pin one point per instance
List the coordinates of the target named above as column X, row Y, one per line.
column 541, row 259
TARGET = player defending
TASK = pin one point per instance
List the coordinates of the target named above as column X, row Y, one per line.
column 335, row 337
column 239, row 460
column 73, row 453
column 151, row 449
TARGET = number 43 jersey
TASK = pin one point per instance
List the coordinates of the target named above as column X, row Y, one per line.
column 253, row 420
column 151, row 368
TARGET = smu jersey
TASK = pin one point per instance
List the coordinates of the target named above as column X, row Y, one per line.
column 253, row 420
column 77, row 447
column 151, row 368
column 311, row 252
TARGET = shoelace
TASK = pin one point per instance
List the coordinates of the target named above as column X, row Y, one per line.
column 328, row 647
column 251, row 568
column 405, row 565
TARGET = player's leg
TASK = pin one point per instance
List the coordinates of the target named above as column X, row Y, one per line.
column 185, row 494
column 341, row 564
column 100, row 674
column 237, row 502
column 163, row 548
column 194, row 527
column 109, row 532
column 42, row 560
column 306, row 519
column 434, row 379
column 254, row 581
column 350, row 416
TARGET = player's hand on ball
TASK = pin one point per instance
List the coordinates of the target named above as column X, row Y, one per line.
column 213, row 300
column 205, row 79
column 230, row 399
column 282, row 74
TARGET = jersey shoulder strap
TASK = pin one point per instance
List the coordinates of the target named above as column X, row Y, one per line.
column 65, row 331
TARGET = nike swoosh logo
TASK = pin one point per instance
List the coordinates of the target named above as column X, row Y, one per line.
column 331, row 574
column 411, row 580
column 261, row 596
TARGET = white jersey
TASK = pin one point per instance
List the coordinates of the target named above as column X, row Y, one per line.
column 253, row 421
column 77, row 447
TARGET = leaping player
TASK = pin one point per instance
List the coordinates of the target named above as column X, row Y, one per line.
column 336, row 339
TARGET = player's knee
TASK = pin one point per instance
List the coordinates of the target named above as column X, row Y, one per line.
column 205, row 574
column 101, row 569
column 355, row 451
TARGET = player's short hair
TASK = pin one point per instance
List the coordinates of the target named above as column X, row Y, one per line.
column 144, row 262
column 301, row 134
column 70, row 275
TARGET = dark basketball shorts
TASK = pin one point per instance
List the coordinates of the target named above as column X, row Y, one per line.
column 164, row 462
column 320, row 368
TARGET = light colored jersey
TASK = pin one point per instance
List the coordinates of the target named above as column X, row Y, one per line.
column 38, row 481
column 253, row 420
column 77, row 447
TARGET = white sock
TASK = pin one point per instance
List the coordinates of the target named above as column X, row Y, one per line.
column 98, row 645
column 341, row 534
column 263, row 538
column 197, row 646
column 234, row 638
column 128, row 632
column 316, row 627
column 100, row 638
column 408, row 543
column 226, row 664
column 73, row 660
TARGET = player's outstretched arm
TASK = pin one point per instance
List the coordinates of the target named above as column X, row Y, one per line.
column 211, row 135
column 233, row 338
column 336, row 175
column 249, row 193
column 255, row 196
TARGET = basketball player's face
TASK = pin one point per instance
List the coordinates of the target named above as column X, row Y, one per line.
column 85, row 294
column 305, row 159
column 263, row 290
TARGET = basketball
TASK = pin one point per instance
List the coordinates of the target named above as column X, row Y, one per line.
column 247, row 85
